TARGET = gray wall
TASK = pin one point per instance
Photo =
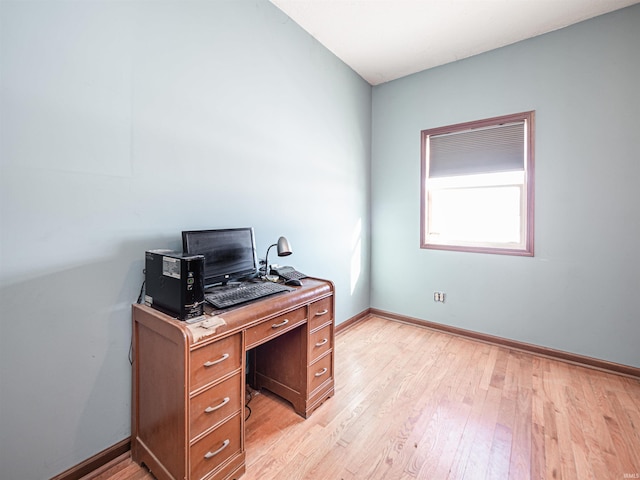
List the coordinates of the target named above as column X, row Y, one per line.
column 581, row 291
column 124, row 123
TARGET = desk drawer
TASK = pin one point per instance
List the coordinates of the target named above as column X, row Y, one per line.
column 319, row 342
column 212, row 450
column 214, row 404
column 215, row 360
column 274, row 327
column 320, row 312
column 320, row 372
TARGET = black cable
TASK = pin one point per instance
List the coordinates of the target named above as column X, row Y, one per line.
column 246, row 405
column 141, row 290
column 139, row 301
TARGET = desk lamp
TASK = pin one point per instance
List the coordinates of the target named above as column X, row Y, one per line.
column 284, row 249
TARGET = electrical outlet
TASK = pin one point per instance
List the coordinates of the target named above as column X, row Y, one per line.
column 438, row 297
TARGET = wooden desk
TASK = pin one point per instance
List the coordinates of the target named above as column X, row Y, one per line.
column 188, row 380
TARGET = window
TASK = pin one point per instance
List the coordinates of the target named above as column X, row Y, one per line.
column 477, row 186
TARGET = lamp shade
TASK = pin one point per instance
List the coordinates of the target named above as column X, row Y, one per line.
column 284, row 248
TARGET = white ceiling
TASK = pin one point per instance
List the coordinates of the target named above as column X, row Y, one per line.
column 387, row 39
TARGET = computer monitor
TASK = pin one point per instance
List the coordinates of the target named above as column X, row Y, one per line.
column 229, row 254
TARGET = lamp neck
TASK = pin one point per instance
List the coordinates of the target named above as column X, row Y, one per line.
column 266, row 260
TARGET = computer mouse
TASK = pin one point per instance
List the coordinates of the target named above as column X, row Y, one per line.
column 293, row 282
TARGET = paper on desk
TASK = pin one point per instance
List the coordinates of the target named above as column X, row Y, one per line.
column 206, row 327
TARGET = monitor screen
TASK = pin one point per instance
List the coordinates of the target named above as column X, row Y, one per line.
column 229, row 254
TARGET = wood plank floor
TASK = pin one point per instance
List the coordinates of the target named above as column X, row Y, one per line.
column 413, row 403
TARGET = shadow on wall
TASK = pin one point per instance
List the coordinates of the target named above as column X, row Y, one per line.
column 66, row 376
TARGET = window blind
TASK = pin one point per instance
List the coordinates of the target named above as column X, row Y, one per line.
column 493, row 149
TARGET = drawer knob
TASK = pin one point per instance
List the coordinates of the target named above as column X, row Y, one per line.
column 211, row 363
column 322, row 312
column 209, row 455
column 281, row 324
column 222, row 404
column 319, row 344
column 322, row 372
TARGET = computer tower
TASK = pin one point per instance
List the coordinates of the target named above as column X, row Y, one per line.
column 174, row 283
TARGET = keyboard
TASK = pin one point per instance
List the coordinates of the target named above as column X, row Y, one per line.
column 244, row 293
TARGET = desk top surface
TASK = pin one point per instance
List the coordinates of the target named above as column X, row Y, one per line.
column 217, row 323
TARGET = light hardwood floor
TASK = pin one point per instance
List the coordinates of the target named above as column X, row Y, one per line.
column 412, row 403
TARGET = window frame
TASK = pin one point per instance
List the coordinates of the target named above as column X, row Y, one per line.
column 527, row 250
